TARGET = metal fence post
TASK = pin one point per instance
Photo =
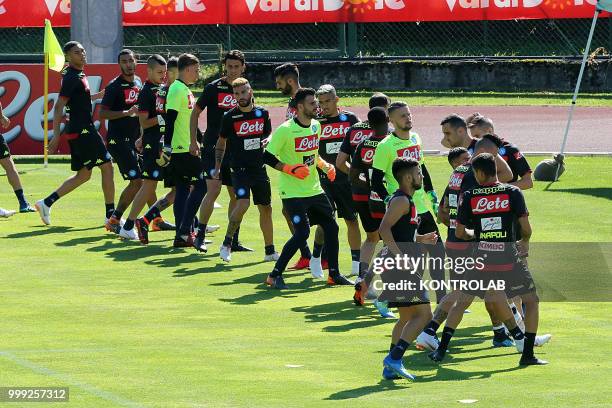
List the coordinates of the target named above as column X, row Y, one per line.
column 342, row 39
column 352, row 40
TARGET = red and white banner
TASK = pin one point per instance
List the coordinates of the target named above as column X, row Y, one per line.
column 23, row 102
column 13, row 13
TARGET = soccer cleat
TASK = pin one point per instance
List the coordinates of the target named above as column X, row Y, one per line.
column 502, row 340
column 324, row 264
column 142, row 229
column 271, row 257
column 276, row 282
column 383, row 309
column 315, row 268
column 542, row 340
column 217, row 205
column 225, row 253
column 437, row 356
column 520, row 344
column 427, row 342
column 159, row 224
column 113, row 224
column 199, row 243
column 212, row 228
column 397, row 366
column 26, row 209
column 533, row 360
column 184, row 241
column 43, row 211
column 389, row 374
column 338, row 279
column 238, row 247
column 358, row 295
column 9, row 213
column 129, row 235
column 302, row 263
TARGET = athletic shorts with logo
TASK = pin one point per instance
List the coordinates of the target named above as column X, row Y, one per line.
column 124, row 154
column 369, row 223
column 208, row 163
column 315, row 210
column 4, row 149
column 86, row 149
column 186, row 168
column 340, row 196
column 151, row 147
column 247, row 181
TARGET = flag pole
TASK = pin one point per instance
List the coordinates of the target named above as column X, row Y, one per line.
column 46, row 114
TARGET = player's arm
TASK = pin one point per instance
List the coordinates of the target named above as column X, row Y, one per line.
column 523, row 170
column 525, row 182
column 107, row 102
column 429, row 189
column 504, row 174
column 377, row 183
column 355, row 171
column 342, row 160
column 444, row 211
column 58, row 114
column 397, row 208
column 171, row 116
column 519, row 207
column 98, row 95
column 464, row 217
column 326, row 168
column 219, row 153
column 145, row 106
column 4, row 121
column 275, row 146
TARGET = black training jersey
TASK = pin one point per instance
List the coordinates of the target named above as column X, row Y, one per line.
column 121, row 95
column 75, row 89
column 362, row 160
column 356, row 134
column 515, row 159
column 405, row 229
column 461, row 180
column 333, row 131
column 152, row 101
column 244, row 132
column 217, row 98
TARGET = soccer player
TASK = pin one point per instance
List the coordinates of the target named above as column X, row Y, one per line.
column 217, row 99
column 287, row 77
column 522, row 174
column 183, row 146
column 398, row 230
column 243, row 130
column 403, row 142
column 293, row 150
column 6, row 161
column 334, row 126
column 491, row 210
column 151, row 107
column 87, row 148
column 120, row 109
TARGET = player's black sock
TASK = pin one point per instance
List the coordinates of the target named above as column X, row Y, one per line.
column 275, row 273
column 305, row 252
column 363, row 269
column 51, row 199
column 152, row 214
column 317, row 249
column 499, row 331
column 432, row 328
column 227, row 241
column 517, row 333
column 128, row 225
column 117, row 214
column 355, row 254
column 391, row 347
column 269, row 249
column 110, row 209
column 236, row 237
column 21, row 198
column 447, row 335
column 528, row 346
column 398, row 351
column 201, row 230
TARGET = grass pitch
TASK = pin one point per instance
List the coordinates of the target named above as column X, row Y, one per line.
column 127, row 325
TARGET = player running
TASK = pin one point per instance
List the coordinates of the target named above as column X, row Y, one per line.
column 492, row 209
column 120, row 109
column 243, row 130
column 87, row 148
column 217, row 98
column 7, row 163
column 334, row 126
column 293, row 150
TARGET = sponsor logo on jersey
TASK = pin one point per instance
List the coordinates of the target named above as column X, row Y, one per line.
column 492, row 246
column 491, row 224
column 455, row 181
column 490, row 204
column 131, row 95
column 190, row 100
column 226, row 101
column 412, row 152
column 306, row 143
column 335, row 130
column 249, row 127
column 493, row 235
column 367, row 155
column 358, row 136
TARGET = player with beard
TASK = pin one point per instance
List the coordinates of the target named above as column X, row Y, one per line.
column 287, row 77
column 120, row 109
column 334, row 126
column 87, row 148
column 217, row 98
column 293, row 150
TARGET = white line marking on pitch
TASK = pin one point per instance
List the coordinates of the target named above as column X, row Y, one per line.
column 70, row 381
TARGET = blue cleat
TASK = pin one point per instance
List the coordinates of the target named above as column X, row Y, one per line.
column 389, row 374
column 503, row 343
column 383, row 309
column 397, row 366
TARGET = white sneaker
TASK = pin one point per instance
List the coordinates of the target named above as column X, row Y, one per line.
column 542, row 340
column 316, row 268
column 129, row 235
column 355, row 268
column 217, row 205
column 225, row 253
column 43, row 211
column 6, row 213
column 212, row 228
column 272, row 257
column 427, row 341
column 520, row 344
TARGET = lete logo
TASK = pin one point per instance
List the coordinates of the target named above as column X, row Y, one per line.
column 306, row 143
column 359, row 136
column 334, row 131
column 490, row 204
column 249, row 127
column 412, row 152
column 225, row 101
column 316, row 5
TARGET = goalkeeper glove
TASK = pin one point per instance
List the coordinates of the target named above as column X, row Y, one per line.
column 164, row 157
column 433, row 197
column 328, row 169
column 296, row 170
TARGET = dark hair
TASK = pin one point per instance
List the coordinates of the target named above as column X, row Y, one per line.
column 236, row 55
column 477, row 120
column 187, row 60
column 301, row 95
column 485, row 162
column 455, row 121
column 377, row 116
column 125, row 51
column 156, row 59
column 455, row 153
column 69, row 45
column 379, row 99
column 172, row 62
column 288, row 69
column 397, row 105
column 401, row 166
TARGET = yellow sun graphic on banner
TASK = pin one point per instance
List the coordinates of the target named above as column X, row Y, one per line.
column 558, row 3
column 358, row 6
column 159, row 6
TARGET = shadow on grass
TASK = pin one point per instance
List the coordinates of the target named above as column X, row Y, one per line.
column 218, row 267
column 40, row 230
column 597, row 192
column 382, row 386
column 357, row 317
